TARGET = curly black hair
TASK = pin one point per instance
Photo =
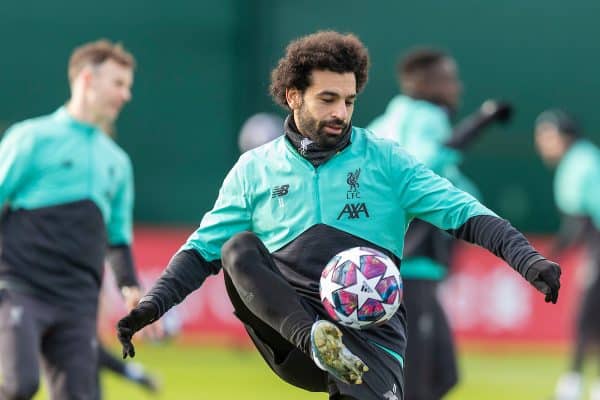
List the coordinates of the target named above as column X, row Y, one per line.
column 325, row 50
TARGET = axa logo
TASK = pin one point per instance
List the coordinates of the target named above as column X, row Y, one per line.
column 352, row 181
column 354, row 211
column 279, row 191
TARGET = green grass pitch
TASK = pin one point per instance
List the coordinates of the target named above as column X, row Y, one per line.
column 199, row 372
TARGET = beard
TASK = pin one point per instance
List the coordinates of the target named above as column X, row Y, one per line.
column 314, row 129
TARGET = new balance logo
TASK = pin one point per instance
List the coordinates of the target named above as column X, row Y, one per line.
column 279, row 191
column 353, row 211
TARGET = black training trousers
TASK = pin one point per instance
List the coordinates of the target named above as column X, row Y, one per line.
column 278, row 320
column 431, row 368
column 65, row 339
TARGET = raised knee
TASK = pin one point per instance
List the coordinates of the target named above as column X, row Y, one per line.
column 243, row 246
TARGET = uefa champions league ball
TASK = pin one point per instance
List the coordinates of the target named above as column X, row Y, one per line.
column 361, row 287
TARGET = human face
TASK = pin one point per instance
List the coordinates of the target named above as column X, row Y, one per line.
column 444, row 84
column 108, row 88
column 550, row 144
column 323, row 111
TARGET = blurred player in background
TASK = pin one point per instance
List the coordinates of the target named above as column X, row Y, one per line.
column 259, row 129
column 420, row 121
column 69, row 191
column 280, row 217
column 559, row 142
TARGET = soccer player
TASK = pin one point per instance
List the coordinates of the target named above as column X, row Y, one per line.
column 69, row 191
column 561, row 145
column 419, row 120
column 285, row 209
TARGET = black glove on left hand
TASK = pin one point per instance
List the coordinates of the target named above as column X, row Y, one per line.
column 143, row 314
column 544, row 275
column 499, row 110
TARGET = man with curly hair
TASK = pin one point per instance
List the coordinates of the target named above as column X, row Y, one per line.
column 280, row 218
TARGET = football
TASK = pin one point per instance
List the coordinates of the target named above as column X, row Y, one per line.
column 361, row 287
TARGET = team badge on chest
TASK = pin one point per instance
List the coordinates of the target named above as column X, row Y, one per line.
column 353, row 210
column 352, row 180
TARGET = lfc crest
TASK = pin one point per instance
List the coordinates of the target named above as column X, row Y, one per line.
column 352, row 181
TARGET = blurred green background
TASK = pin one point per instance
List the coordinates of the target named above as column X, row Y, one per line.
column 204, row 68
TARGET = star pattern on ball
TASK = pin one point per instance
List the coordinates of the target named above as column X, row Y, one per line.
column 364, row 288
column 360, row 287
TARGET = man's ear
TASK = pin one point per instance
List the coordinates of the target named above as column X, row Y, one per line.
column 294, row 98
column 87, row 74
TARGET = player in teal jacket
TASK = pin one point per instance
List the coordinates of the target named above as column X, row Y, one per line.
column 289, row 206
column 68, row 192
column 577, row 195
column 419, row 121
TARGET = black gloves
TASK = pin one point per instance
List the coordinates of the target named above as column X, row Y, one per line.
column 497, row 110
column 143, row 314
column 473, row 126
column 544, row 275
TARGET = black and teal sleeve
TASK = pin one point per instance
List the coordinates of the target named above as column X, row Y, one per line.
column 200, row 256
column 502, row 239
column 499, row 237
column 185, row 273
column 433, row 199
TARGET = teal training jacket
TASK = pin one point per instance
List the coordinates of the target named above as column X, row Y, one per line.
column 371, row 189
column 69, row 191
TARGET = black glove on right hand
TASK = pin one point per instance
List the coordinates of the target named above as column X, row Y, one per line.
column 544, row 275
column 143, row 314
